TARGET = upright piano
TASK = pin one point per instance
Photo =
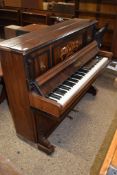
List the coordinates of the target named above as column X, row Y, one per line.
column 46, row 73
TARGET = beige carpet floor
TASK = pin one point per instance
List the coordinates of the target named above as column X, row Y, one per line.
column 81, row 143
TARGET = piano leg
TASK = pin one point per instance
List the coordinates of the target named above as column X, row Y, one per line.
column 45, row 145
column 44, row 125
column 92, row 90
column 3, row 95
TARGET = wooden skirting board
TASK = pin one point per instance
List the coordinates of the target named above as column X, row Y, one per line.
column 109, row 166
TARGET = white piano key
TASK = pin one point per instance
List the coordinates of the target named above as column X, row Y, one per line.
column 82, row 82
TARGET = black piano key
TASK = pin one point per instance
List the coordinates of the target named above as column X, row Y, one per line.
column 59, row 91
column 83, row 73
column 98, row 58
column 62, row 91
column 53, row 99
column 70, row 84
column 80, row 73
column 77, row 76
column 83, row 70
column 64, row 87
column 73, row 80
column 55, row 96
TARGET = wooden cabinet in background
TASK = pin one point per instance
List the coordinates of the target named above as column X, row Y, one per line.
column 9, row 16
column 12, row 3
column 105, row 12
column 114, row 45
column 37, row 4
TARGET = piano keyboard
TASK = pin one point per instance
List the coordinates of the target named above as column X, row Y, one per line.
column 76, row 82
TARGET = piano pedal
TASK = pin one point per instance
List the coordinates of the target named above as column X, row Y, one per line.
column 70, row 117
column 75, row 110
column 92, row 90
column 45, row 146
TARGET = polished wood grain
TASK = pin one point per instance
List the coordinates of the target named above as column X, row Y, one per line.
column 45, row 105
column 30, row 41
column 36, row 69
column 11, row 31
column 111, row 156
column 18, row 94
column 114, row 160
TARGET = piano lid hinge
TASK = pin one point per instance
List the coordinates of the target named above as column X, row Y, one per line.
column 34, row 86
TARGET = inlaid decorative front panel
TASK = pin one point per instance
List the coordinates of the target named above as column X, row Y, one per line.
column 38, row 63
column 65, row 48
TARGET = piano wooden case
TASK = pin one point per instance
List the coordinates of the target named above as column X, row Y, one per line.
column 39, row 68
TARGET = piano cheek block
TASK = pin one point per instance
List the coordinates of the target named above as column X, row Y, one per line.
column 41, row 97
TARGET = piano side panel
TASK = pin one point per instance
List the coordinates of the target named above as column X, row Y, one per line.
column 16, row 87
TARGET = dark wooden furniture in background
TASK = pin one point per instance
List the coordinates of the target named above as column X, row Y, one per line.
column 3, row 91
column 43, row 61
column 2, row 3
column 34, row 16
column 21, row 17
column 105, row 11
column 14, row 30
column 9, row 16
column 37, row 4
column 114, row 40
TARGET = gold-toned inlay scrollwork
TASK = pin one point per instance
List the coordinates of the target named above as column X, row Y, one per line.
column 70, row 48
column 63, row 53
column 42, row 66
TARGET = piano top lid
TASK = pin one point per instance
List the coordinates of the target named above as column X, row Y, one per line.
column 29, row 42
